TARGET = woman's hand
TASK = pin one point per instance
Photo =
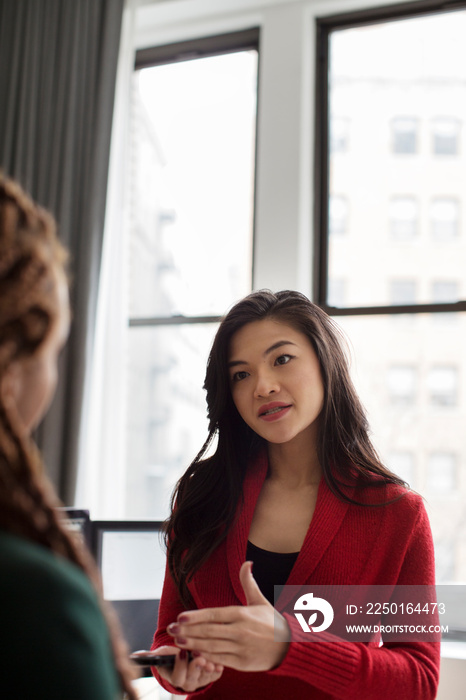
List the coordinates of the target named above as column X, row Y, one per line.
column 188, row 675
column 248, row 638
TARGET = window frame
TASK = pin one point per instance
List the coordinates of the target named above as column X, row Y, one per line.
column 322, row 153
column 324, row 27
column 192, row 49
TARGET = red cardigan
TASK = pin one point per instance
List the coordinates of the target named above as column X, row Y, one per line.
column 347, row 545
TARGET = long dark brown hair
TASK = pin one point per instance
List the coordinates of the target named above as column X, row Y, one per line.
column 206, row 497
column 30, row 259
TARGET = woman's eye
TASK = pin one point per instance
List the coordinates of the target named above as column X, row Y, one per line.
column 283, row 359
column 238, row 376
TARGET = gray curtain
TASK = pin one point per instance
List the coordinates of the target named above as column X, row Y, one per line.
column 58, row 61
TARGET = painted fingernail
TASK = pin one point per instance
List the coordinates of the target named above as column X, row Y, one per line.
column 182, row 618
column 195, row 654
column 183, row 654
column 180, row 641
column 173, row 628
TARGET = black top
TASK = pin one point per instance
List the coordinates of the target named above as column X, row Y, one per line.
column 270, row 568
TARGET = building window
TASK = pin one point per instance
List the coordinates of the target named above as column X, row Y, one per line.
column 403, row 292
column 401, row 463
column 404, row 135
column 339, row 134
column 441, row 473
column 338, row 215
column 444, row 218
column 445, row 292
column 445, row 136
column 442, row 384
column 401, row 382
column 403, row 216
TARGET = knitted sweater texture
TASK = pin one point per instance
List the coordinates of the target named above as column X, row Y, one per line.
column 345, row 545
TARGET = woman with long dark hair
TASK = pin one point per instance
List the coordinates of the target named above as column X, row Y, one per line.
column 59, row 642
column 295, row 488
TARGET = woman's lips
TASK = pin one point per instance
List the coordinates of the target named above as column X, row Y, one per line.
column 273, row 411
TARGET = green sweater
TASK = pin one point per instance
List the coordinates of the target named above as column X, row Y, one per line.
column 54, row 640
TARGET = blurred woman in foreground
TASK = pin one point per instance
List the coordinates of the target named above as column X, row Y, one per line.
column 57, row 643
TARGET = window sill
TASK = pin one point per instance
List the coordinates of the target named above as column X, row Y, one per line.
column 453, row 649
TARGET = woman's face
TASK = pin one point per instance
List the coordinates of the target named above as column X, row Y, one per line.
column 276, row 382
column 32, row 380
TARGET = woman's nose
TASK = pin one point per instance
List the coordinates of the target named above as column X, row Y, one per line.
column 266, row 384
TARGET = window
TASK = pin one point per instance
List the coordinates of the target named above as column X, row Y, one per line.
column 403, row 214
column 337, row 291
column 445, row 560
column 192, row 191
column 444, row 218
column 392, row 201
column 402, row 464
column 404, row 135
column 445, row 291
column 338, row 215
column 339, row 134
column 443, row 386
column 403, row 291
column 445, row 136
column 405, row 258
column 401, row 382
column 441, row 473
